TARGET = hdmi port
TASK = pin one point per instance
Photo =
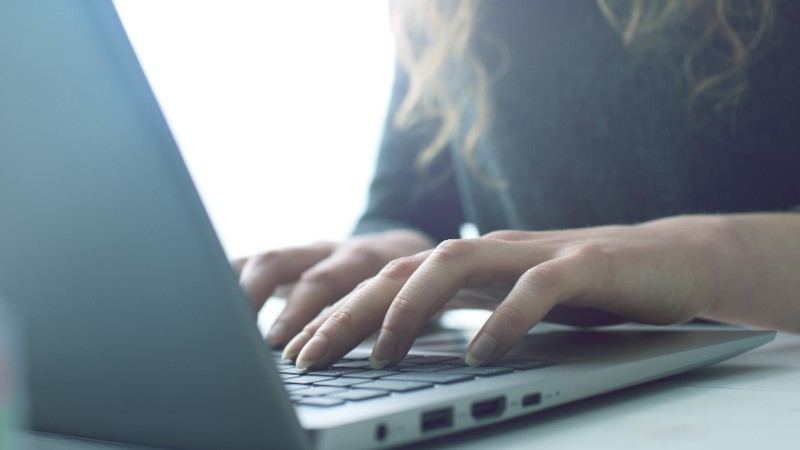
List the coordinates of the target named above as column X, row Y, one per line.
column 488, row 408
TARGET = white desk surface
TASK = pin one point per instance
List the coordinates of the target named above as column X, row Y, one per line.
column 751, row 401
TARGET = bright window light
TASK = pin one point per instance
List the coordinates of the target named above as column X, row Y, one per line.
column 277, row 107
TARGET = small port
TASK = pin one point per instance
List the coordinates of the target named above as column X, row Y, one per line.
column 438, row 419
column 485, row 409
column 381, row 432
column 532, row 399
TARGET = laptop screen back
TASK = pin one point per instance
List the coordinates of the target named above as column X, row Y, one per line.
column 130, row 310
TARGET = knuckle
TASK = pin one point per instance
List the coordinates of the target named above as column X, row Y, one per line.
column 600, row 266
column 321, row 276
column 592, row 253
column 400, row 269
column 503, row 235
column 403, row 305
column 340, row 318
column 543, row 279
column 454, row 249
column 269, row 257
column 311, row 328
column 362, row 253
column 313, row 325
column 362, row 284
column 512, row 317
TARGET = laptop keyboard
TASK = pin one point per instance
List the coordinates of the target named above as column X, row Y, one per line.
column 353, row 380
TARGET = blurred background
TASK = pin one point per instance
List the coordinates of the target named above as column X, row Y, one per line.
column 277, row 107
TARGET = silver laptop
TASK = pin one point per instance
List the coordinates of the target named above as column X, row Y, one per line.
column 136, row 328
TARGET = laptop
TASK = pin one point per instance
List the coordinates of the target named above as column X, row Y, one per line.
column 136, row 329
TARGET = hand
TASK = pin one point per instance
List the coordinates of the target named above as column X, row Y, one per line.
column 658, row 272
column 323, row 272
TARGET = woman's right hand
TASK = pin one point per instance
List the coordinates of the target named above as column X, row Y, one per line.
column 322, row 273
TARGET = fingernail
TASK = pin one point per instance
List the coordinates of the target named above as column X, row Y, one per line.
column 384, row 350
column 312, row 352
column 481, row 350
column 277, row 334
column 295, row 345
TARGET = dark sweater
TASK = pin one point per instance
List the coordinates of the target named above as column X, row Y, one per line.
column 588, row 133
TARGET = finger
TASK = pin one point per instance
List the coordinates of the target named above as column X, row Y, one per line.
column 261, row 274
column 549, row 237
column 527, row 236
column 321, row 285
column 451, row 266
column 358, row 317
column 538, row 290
column 237, row 265
column 292, row 349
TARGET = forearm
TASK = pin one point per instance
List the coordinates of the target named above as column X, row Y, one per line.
column 758, row 271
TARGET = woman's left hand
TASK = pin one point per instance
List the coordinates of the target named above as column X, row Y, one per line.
column 660, row 272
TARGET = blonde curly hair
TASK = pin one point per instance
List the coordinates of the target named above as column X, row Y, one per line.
column 432, row 33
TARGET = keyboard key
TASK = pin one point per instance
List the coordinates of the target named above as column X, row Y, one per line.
column 307, row 379
column 335, row 372
column 295, row 387
column 318, row 391
column 357, row 354
column 430, row 359
column 356, row 395
column 410, row 360
column 481, row 371
column 371, row 374
column 358, row 364
column 342, row 382
column 431, row 377
column 424, row 367
column 394, row 385
column 293, row 370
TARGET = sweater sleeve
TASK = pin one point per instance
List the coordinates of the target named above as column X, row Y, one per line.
column 404, row 196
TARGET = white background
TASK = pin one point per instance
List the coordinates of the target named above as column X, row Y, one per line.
column 277, row 107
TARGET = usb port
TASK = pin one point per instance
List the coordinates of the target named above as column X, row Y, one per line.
column 488, row 408
column 435, row 420
column 532, row 399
